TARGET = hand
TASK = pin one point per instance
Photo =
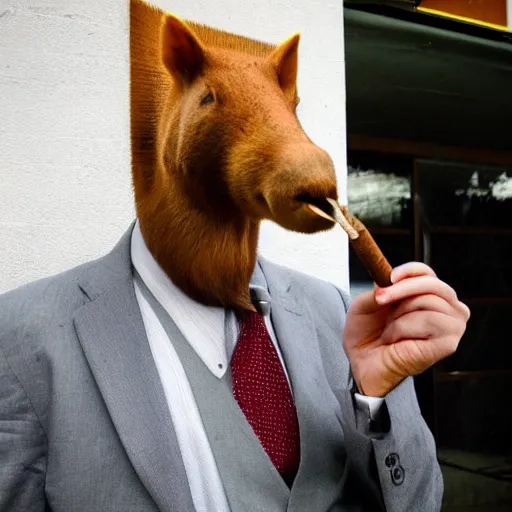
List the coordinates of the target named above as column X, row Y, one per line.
column 398, row 331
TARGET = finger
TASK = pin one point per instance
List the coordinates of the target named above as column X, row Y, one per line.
column 364, row 303
column 413, row 286
column 466, row 312
column 417, row 325
column 411, row 269
column 432, row 303
column 423, row 325
column 413, row 356
column 427, row 302
column 447, row 345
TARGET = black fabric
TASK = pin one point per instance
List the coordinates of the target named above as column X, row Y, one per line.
column 412, row 81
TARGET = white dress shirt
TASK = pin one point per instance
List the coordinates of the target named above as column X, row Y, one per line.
column 205, row 328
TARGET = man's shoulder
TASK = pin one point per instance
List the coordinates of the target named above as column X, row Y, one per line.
column 42, row 301
column 52, row 300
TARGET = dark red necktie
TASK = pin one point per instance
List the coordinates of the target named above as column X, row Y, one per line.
column 261, row 389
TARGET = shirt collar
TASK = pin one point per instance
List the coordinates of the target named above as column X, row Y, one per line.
column 203, row 326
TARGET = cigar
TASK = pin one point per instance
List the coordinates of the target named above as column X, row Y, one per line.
column 360, row 238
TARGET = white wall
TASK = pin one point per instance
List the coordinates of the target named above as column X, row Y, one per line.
column 65, row 190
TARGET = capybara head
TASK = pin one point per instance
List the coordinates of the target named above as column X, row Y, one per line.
column 232, row 139
column 216, row 148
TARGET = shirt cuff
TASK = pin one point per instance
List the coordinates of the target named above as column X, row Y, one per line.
column 369, row 404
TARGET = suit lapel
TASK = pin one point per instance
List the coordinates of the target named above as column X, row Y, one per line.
column 111, row 331
column 321, row 436
column 294, row 326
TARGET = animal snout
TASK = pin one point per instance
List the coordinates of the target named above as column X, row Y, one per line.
column 306, row 175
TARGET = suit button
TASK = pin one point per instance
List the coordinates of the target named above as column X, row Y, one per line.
column 398, row 475
column 392, row 460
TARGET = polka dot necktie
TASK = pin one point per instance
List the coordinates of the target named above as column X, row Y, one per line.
column 262, row 391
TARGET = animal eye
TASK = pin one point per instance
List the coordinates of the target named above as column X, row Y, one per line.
column 207, row 99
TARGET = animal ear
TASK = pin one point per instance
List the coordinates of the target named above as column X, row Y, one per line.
column 182, row 53
column 285, row 59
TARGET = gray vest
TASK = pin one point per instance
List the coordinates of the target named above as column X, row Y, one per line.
column 250, row 480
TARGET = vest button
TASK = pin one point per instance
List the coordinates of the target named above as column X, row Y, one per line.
column 398, row 475
column 392, row 460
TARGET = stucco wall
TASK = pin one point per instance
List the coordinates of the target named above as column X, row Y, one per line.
column 65, row 190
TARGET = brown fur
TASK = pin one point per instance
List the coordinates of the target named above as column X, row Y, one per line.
column 205, row 173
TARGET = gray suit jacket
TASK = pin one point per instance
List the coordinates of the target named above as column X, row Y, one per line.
column 84, row 424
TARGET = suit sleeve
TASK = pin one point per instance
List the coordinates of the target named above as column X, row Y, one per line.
column 393, row 452
column 23, row 447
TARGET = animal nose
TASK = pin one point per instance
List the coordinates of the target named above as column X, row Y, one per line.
column 305, row 175
column 325, row 165
column 316, row 176
column 303, row 172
